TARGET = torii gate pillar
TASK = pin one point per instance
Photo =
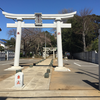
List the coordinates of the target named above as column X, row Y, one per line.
column 59, row 44
column 18, row 43
column 17, row 47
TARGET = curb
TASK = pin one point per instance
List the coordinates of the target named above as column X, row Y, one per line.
column 51, row 63
column 34, row 64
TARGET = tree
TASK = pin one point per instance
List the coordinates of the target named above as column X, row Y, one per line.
column 93, row 46
column 1, row 48
column 12, row 32
column 87, row 24
column 11, row 43
column 65, row 11
column 83, row 31
column 53, row 41
column 34, row 40
column 71, row 38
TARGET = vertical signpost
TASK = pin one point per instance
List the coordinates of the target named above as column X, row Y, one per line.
column 45, row 46
column 99, row 57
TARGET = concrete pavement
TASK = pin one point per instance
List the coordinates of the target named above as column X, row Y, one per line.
column 36, row 87
column 33, row 78
column 7, row 64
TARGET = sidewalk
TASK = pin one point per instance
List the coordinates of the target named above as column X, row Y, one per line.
column 36, row 87
column 33, row 78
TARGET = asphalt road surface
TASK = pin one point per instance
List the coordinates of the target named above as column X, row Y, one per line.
column 8, row 64
column 83, row 76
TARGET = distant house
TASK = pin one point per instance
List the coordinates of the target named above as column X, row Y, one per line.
column 2, row 43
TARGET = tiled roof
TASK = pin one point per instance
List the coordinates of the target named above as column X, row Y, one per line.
column 3, row 41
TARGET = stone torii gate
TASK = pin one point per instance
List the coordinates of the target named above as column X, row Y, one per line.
column 58, row 24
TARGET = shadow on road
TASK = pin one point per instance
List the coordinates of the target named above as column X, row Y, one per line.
column 3, row 98
column 88, row 72
column 93, row 84
column 43, row 97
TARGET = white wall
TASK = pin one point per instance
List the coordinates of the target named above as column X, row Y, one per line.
column 2, row 44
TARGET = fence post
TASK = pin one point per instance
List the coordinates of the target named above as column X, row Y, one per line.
column 7, row 54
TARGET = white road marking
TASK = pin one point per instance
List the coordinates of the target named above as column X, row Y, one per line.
column 30, row 59
column 76, row 60
column 7, row 63
column 94, row 64
column 77, row 64
column 23, row 59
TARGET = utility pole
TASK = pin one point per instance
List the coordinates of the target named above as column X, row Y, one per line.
column 45, row 45
column 99, row 57
column 0, row 29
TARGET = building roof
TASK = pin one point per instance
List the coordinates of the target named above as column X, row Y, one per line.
column 3, row 41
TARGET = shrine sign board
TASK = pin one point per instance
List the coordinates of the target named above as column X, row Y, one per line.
column 19, row 79
column 38, row 19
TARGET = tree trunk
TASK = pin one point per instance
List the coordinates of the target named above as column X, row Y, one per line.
column 84, row 44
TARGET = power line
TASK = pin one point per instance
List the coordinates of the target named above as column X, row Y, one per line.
column 1, row 9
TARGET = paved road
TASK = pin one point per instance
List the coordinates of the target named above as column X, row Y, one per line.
column 83, row 76
column 7, row 64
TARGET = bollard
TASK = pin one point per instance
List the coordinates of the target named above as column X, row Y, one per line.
column 31, row 66
column 48, row 70
column 34, row 64
column 18, row 71
column 46, row 75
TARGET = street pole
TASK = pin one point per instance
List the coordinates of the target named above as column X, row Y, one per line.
column 99, row 58
column 45, row 45
column 53, row 53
